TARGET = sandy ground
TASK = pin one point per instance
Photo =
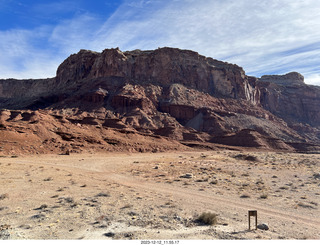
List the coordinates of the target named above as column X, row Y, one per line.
column 159, row 195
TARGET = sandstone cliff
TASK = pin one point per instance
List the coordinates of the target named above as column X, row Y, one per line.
column 288, row 97
column 162, row 67
column 168, row 92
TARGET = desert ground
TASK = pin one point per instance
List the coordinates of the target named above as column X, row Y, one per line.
column 160, row 195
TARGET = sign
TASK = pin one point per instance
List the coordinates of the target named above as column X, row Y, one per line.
column 253, row 213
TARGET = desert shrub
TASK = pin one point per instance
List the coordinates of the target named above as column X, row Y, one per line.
column 251, row 158
column 73, row 205
column 245, row 195
column 4, row 196
column 43, row 206
column 264, row 196
column 214, row 182
column 103, row 194
column 260, row 181
column 207, row 218
column 304, row 205
column 69, row 199
column 246, row 157
column 316, row 176
column 127, row 206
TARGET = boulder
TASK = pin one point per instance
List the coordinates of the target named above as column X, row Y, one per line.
column 264, row 227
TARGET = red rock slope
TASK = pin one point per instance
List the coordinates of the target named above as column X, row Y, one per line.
column 156, row 100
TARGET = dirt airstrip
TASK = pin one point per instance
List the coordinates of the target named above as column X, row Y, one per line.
column 159, row 195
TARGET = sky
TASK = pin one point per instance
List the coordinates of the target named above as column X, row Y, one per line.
column 265, row 37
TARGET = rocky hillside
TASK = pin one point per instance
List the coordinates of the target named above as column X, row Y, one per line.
column 290, row 98
column 167, row 98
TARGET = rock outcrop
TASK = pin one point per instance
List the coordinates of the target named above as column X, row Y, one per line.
column 160, row 67
column 297, row 103
column 169, row 93
column 289, row 79
column 288, row 97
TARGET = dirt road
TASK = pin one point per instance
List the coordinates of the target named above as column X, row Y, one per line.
column 146, row 195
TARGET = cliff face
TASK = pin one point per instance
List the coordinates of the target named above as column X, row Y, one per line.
column 167, row 92
column 288, row 97
column 18, row 93
column 161, row 67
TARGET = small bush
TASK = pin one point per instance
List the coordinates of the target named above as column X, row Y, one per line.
column 102, row 194
column 245, row 195
column 260, row 181
column 246, row 157
column 264, row 196
column 127, row 206
column 4, row 196
column 303, row 205
column 69, row 199
column 43, row 206
column 207, row 218
column 251, row 158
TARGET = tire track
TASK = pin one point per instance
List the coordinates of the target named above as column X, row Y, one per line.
column 194, row 198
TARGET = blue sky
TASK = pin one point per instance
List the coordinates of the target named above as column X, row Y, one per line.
column 263, row 37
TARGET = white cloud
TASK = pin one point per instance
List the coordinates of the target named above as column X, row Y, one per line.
column 74, row 34
column 254, row 34
column 20, row 59
column 312, row 79
column 264, row 37
column 37, row 53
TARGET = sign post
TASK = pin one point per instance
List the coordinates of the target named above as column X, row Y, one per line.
column 253, row 213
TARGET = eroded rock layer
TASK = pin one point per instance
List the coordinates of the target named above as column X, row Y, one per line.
column 168, row 96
